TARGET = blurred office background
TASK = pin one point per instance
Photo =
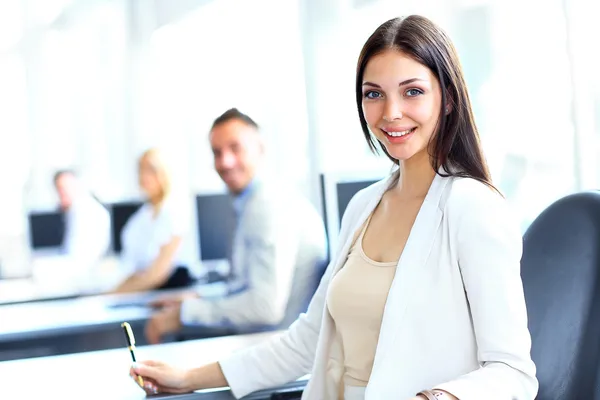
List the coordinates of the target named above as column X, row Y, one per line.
column 90, row 84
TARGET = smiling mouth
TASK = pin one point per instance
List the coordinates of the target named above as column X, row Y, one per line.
column 400, row 134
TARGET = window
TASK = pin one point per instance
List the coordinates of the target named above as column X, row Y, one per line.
column 11, row 24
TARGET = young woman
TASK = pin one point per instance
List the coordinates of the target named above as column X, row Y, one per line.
column 155, row 246
column 424, row 299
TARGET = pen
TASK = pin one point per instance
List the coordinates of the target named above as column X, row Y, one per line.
column 131, row 346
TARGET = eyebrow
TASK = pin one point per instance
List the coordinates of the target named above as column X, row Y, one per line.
column 403, row 83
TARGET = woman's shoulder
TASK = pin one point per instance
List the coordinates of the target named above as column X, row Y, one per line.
column 470, row 193
column 175, row 215
column 471, row 201
column 373, row 190
column 364, row 196
column 175, row 207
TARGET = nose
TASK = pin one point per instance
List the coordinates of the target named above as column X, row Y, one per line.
column 392, row 109
column 226, row 160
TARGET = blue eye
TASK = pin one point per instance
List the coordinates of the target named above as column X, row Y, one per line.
column 371, row 94
column 414, row 92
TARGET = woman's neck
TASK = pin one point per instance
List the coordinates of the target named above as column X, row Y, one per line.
column 156, row 203
column 416, row 175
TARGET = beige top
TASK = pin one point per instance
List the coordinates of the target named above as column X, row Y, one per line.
column 356, row 300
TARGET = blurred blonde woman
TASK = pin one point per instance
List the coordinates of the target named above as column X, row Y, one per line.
column 155, row 245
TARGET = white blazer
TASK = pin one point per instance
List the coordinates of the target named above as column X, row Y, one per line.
column 455, row 316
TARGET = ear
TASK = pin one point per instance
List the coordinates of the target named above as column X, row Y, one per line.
column 261, row 145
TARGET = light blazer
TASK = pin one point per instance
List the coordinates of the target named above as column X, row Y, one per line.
column 279, row 251
column 455, row 316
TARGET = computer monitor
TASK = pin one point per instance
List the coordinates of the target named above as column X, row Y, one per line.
column 119, row 214
column 46, row 230
column 337, row 190
column 216, row 225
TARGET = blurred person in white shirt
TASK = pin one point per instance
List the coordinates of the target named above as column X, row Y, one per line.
column 87, row 231
column 157, row 252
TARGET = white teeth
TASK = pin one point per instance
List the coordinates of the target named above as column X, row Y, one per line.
column 397, row 134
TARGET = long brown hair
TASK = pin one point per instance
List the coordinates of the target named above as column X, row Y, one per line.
column 455, row 145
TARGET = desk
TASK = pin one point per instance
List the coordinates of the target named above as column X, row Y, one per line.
column 42, row 286
column 46, row 328
column 65, row 326
column 52, row 279
column 70, row 326
column 103, row 375
column 24, row 290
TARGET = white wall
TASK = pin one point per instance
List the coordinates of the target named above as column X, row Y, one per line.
column 90, row 84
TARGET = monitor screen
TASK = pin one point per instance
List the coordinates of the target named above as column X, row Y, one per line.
column 337, row 191
column 345, row 192
column 120, row 214
column 216, row 225
column 46, row 229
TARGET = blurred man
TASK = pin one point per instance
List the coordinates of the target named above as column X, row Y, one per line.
column 279, row 244
column 87, row 228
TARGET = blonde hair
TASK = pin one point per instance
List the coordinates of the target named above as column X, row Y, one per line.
column 154, row 157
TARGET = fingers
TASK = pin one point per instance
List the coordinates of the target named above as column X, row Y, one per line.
column 145, row 373
column 155, row 304
column 152, row 363
column 149, row 374
column 152, row 331
column 165, row 301
column 146, row 370
column 159, row 303
column 150, row 387
column 162, row 323
column 147, row 384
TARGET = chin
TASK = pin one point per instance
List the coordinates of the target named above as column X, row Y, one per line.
column 400, row 155
column 233, row 187
column 404, row 154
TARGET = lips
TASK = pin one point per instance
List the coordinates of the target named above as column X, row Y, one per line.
column 399, row 132
column 398, row 136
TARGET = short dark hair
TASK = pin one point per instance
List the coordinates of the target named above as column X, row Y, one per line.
column 234, row 113
column 62, row 172
column 456, row 140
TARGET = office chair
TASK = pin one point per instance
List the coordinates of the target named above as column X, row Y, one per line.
column 560, row 269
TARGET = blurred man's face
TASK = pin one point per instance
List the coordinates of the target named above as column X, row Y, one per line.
column 66, row 187
column 238, row 151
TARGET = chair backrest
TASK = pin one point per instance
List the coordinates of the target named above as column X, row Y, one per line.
column 303, row 290
column 560, row 269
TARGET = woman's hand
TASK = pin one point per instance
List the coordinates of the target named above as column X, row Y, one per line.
column 446, row 396
column 159, row 377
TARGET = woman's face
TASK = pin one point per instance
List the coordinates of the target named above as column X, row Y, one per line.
column 148, row 178
column 401, row 103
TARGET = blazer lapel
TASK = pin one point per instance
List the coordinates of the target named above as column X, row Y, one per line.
column 362, row 217
column 411, row 263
